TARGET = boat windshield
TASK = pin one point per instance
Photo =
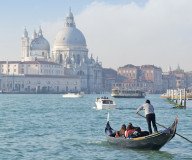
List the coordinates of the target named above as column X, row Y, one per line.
column 107, row 101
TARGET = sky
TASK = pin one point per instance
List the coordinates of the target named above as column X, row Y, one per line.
column 118, row 32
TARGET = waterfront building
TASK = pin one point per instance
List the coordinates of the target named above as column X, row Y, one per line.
column 68, row 67
column 146, row 77
column 39, row 84
column 177, row 79
column 169, row 81
column 153, row 76
column 181, row 77
column 109, row 78
column 130, row 71
column 189, row 79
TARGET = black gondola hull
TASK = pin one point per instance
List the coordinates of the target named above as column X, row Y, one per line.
column 153, row 142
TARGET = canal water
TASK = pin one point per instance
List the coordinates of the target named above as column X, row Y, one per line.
column 50, row 127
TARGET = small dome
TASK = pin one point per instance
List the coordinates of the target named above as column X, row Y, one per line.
column 40, row 43
column 70, row 36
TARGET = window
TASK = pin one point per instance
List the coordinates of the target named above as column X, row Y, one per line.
column 22, row 70
column 60, row 58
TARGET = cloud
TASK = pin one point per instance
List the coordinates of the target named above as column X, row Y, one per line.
column 158, row 33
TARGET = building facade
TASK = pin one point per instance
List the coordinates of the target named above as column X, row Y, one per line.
column 152, row 75
column 67, row 64
column 181, row 77
column 176, row 79
column 146, row 77
column 169, row 81
column 109, row 78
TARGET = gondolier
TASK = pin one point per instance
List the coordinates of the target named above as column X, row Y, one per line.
column 150, row 115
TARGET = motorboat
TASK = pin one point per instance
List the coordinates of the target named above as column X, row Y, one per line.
column 73, row 95
column 105, row 103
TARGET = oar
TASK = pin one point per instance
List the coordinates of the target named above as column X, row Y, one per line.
column 166, row 128
column 108, row 117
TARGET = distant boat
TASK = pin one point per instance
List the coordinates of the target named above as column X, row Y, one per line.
column 105, row 103
column 73, row 95
column 126, row 93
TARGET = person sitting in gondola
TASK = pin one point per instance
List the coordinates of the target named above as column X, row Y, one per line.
column 132, row 132
column 117, row 134
column 122, row 130
column 129, row 131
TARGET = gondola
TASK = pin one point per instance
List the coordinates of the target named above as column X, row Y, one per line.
column 152, row 142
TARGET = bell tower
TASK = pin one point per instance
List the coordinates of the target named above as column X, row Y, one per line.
column 25, row 45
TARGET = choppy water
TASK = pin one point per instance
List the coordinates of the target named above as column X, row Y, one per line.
column 51, row 127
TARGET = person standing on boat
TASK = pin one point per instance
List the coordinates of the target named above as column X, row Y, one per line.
column 150, row 115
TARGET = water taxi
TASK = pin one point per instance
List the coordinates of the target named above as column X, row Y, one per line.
column 73, row 95
column 125, row 93
column 104, row 103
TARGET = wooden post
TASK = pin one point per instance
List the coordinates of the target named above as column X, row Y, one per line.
column 176, row 97
column 172, row 94
column 184, row 97
column 180, row 96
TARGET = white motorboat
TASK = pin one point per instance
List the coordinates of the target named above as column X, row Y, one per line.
column 73, row 95
column 105, row 103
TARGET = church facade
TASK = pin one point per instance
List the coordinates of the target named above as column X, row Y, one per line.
column 67, row 67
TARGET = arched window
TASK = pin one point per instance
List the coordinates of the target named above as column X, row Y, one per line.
column 60, row 58
column 80, row 73
column 78, row 59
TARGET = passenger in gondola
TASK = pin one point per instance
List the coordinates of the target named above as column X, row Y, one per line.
column 132, row 132
column 122, row 131
column 129, row 131
column 117, row 134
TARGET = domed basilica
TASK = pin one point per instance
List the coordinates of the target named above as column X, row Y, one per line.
column 66, row 67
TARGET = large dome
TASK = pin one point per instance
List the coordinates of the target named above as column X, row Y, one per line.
column 70, row 36
column 39, row 43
